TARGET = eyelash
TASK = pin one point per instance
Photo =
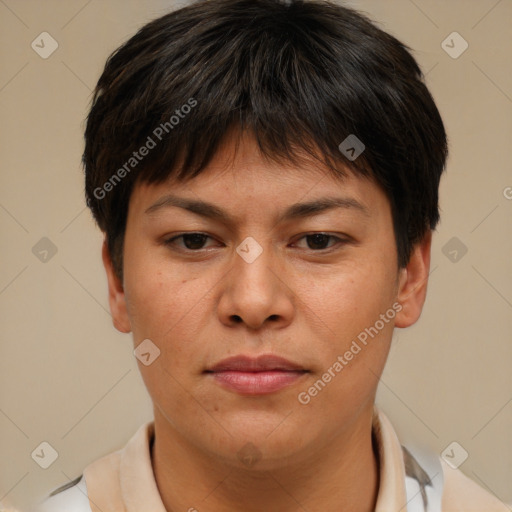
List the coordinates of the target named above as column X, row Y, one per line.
column 170, row 242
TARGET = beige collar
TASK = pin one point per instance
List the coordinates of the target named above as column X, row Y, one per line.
column 123, row 481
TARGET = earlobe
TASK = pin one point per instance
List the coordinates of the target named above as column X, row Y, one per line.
column 413, row 280
column 116, row 295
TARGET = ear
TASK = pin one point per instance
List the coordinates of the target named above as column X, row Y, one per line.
column 116, row 296
column 413, row 279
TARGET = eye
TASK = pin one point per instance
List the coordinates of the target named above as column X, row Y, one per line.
column 318, row 241
column 195, row 242
column 191, row 241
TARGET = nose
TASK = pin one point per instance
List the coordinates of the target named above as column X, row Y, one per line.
column 256, row 293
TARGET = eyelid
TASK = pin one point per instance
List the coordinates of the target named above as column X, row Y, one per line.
column 339, row 240
column 170, row 240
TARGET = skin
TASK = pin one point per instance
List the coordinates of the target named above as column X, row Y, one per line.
column 300, row 300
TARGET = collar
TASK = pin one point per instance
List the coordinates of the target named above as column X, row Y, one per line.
column 124, row 481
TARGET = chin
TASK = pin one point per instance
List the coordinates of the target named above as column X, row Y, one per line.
column 264, row 445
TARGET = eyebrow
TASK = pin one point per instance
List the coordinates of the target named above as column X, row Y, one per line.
column 295, row 211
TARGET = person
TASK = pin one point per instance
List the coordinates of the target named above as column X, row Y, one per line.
column 266, row 176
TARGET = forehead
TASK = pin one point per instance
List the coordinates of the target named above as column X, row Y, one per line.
column 241, row 178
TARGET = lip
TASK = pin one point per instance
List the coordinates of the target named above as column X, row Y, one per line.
column 266, row 362
column 256, row 376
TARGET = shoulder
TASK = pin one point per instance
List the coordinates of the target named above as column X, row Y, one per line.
column 443, row 487
column 70, row 497
column 461, row 494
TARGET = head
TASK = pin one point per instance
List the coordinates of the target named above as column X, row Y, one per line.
column 247, row 105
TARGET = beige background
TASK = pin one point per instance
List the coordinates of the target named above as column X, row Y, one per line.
column 68, row 378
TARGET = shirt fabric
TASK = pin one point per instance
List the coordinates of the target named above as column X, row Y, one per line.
column 411, row 480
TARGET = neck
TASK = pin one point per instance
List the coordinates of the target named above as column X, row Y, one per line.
column 343, row 475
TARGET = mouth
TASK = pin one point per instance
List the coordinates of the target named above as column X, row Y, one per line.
column 256, row 376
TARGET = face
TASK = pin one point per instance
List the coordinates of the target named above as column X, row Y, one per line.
column 273, row 320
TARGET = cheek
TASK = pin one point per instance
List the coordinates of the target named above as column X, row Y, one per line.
column 348, row 302
column 172, row 309
column 350, row 306
column 157, row 295
column 167, row 309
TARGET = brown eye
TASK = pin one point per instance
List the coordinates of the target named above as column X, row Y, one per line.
column 194, row 241
column 320, row 241
column 190, row 241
